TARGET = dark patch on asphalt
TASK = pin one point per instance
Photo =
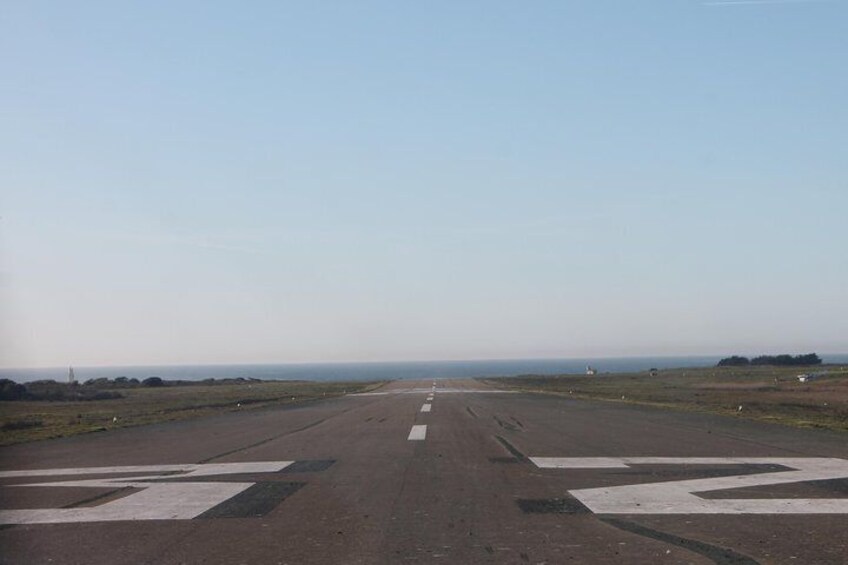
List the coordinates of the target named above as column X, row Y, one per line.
column 100, row 497
column 512, row 449
column 503, row 460
column 381, row 420
column 826, row 488
column 718, row 555
column 472, row 412
column 505, row 425
column 254, row 502
column 833, row 486
column 517, row 421
column 552, row 506
column 308, row 466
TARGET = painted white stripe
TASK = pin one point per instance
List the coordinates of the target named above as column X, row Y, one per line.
column 624, row 462
column 153, row 501
column 191, row 470
column 160, row 501
column 431, row 391
column 417, row 433
column 679, row 497
column 429, row 399
column 426, row 407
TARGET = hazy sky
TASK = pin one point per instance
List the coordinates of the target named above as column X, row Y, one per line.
column 203, row 182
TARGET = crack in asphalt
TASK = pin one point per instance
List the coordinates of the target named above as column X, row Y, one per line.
column 284, row 434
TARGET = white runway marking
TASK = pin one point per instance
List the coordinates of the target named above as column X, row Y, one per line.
column 426, row 407
column 429, row 399
column 190, row 470
column 431, row 391
column 680, row 497
column 417, row 433
column 156, row 501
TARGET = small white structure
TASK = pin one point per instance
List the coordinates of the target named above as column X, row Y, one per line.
column 805, row 378
column 591, row 370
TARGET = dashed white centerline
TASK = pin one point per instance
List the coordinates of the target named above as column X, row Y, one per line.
column 426, row 407
column 417, row 433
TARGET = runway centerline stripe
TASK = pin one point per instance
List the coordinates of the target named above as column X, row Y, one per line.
column 426, row 407
column 417, row 433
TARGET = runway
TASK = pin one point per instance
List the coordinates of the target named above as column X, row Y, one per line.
column 447, row 471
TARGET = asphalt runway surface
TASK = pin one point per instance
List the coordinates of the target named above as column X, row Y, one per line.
column 472, row 475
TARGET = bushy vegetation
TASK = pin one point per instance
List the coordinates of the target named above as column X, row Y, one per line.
column 776, row 360
column 52, row 391
column 97, row 389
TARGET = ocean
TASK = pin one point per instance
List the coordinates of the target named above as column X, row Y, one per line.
column 376, row 371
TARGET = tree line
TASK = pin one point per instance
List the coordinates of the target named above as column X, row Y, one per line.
column 96, row 389
column 783, row 360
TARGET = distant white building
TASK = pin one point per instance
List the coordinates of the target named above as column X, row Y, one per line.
column 591, row 370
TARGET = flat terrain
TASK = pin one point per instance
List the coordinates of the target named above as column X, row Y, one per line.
column 481, row 476
column 772, row 394
column 22, row 421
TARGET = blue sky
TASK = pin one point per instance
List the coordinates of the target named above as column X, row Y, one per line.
column 214, row 182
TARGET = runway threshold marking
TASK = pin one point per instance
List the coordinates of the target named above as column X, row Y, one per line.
column 681, row 497
column 156, row 499
column 426, row 407
column 417, row 433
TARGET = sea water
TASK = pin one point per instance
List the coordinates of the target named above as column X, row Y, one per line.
column 376, row 371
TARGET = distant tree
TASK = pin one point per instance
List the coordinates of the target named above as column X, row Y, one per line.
column 10, row 390
column 808, row 359
column 785, row 360
column 153, row 381
column 734, row 361
column 101, row 381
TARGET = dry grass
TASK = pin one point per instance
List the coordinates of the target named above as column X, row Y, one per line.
column 771, row 394
column 22, row 421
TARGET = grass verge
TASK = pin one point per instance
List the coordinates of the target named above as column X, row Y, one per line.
column 771, row 394
column 22, row 421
